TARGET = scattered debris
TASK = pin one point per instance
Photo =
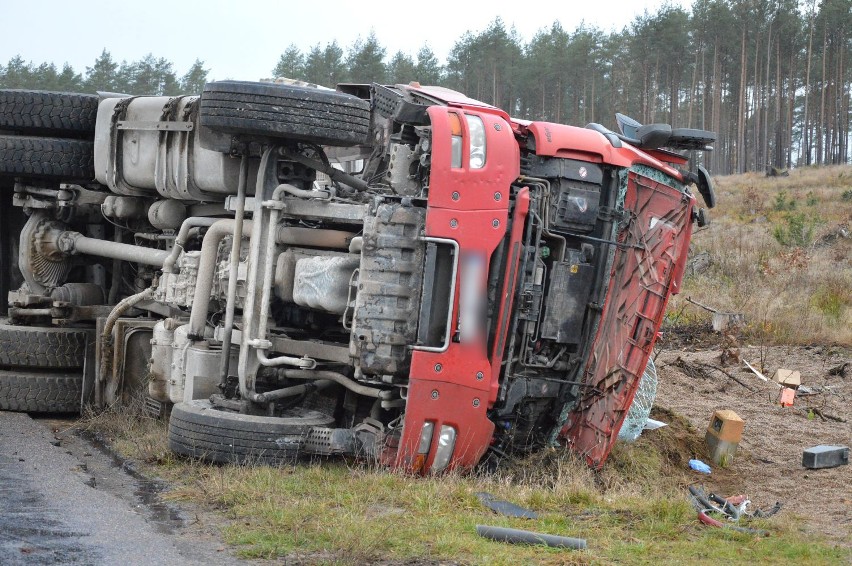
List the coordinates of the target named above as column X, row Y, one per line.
column 730, row 350
column 731, row 508
column 518, row 536
column 825, row 416
column 737, row 499
column 699, row 466
column 787, row 377
column 840, row 370
column 652, row 424
column 755, row 372
column 824, row 456
column 696, row 369
column 504, row 507
column 786, row 397
column 804, row 390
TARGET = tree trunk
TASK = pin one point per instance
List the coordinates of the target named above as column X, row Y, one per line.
column 741, row 110
column 805, row 150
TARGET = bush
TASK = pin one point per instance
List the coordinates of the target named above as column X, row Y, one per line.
column 796, row 230
column 783, row 203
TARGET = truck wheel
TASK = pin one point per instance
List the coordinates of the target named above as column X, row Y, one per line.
column 38, row 112
column 285, row 111
column 47, row 158
column 200, row 430
column 41, row 392
column 42, row 347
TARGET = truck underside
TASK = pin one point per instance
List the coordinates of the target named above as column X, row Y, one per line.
column 395, row 272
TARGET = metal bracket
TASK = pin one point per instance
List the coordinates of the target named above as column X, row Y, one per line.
column 155, row 126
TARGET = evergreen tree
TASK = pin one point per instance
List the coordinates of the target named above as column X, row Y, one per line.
column 428, row 69
column 18, row 74
column 325, row 66
column 102, row 75
column 366, row 61
column 194, row 79
column 291, row 64
column 401, row 69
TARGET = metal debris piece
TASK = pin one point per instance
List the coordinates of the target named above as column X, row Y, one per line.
column 504, row 507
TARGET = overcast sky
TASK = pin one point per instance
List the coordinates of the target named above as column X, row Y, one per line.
column 243, row 40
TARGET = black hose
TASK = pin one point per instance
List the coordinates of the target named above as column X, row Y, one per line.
column 518, row 536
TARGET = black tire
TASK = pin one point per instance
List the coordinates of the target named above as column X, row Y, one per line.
column 42, row 347
column 200, row 430
column 47, row 158
column 39, row 112
column 285, row 111
column 41, row 392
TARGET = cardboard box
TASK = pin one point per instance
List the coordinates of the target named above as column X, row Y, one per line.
column 787, row 377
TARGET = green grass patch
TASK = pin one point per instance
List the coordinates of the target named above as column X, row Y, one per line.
column 331, row 512
column 634, row 511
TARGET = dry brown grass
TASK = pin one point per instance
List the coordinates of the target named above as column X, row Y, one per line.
column 778, row 255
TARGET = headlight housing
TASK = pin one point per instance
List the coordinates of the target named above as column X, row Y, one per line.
column 477, row 149
column 477, row 141
column 446, row 445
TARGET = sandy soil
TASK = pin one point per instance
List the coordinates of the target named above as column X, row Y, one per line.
column 768, row 466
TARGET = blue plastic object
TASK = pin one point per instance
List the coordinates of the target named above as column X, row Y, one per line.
column 699, row 466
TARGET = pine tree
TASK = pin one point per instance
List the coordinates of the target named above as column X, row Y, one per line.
column 291, row 64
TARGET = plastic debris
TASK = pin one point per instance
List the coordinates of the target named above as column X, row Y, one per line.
column 652, row 424
column 699, row 466
column 518, row 536
column 504, row 507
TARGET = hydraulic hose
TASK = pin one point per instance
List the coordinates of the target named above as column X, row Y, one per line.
column 518, row 536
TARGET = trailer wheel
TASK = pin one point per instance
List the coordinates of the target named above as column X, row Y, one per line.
column 41, row 391
column 200, row 430
column 285, row 111
column 47, row 158
column 38, row 112
column 42, row 347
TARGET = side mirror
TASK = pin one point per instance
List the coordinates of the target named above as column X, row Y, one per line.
column 705, row 187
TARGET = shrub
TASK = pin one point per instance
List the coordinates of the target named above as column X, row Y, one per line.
column 783, row 203
column 795, row 230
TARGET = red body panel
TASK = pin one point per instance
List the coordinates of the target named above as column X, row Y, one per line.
column 559, row 140
column 463, row 207
column 642, row 280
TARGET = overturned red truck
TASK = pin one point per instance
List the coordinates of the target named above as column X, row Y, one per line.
column 398, row 272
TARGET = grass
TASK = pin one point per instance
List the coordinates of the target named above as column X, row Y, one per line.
column 336, row 512
column 775, row 255
column 778, row 254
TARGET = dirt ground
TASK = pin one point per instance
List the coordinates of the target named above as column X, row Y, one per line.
column 768, row 465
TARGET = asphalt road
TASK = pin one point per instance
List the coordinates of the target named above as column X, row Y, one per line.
column 63, row 501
